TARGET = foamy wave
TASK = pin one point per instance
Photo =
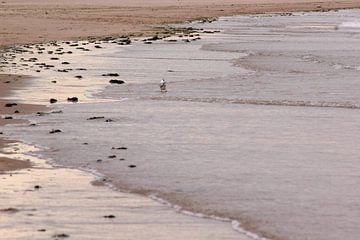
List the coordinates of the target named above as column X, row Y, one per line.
column 350, row 24
column 288, row 103
column 236, row 225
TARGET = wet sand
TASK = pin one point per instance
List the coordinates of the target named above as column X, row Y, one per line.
column 8, row 83
column 44, row 203
column 42, row 21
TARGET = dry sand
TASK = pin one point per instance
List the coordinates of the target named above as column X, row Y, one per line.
column 41, row 21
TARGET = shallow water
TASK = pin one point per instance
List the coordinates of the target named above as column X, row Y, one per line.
column 259, row 123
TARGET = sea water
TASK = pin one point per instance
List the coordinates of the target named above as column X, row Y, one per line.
column 259, row 124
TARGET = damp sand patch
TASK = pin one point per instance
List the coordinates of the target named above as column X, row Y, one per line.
column 44, row 203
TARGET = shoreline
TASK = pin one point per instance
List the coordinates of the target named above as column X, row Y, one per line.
column 9, row 83
column 111, row 19
column 26, row 107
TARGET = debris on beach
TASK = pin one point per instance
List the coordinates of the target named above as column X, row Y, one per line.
column 109, row 216
column 119, row 148
column 10, row 104
column 72, row 99
column 37, row 187
column 110, row 75
column 115, row 81
column 53, row 100
column 9, row 210
column 94, row 118
column 55, row 131
column 132, row 166
column 62, row 235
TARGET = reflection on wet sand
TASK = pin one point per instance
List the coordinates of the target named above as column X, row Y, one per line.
column 47, row 202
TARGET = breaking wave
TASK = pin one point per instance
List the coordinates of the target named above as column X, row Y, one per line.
column 291, row 103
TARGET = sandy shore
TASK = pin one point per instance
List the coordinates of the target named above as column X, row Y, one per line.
column 8, row 83
column 42, row 21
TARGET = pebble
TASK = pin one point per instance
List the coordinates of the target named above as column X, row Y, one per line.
column 55, row 131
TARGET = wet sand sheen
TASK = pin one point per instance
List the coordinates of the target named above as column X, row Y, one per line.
column 44, row 203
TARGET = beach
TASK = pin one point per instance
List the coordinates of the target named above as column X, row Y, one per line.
column 43, row 21
column 256, row 137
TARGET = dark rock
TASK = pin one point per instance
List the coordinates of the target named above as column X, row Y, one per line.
column 85, row 143
column 1, row 133
column 132, row 166
column 59, row 111
column 115, row 81
column 8, row 117
column 9, row 210
column 54, row 58
column 41, row 230
column 124, row 41
column 38, row 71
column 53, row 81
column 72, row 99
column 62, row 235
column 16, row 111
column 97, row 46
column 109, row 216
column 62, row 70
column 99, row 160
column 32, row 124
column 119, row 148
column 147, row 42
column 110, row 75
column 55, row 131
column 93, row 118
column 53, row 100
column 81, row 69
column 10, row 104
column 65, row 63
column 78, row 76
column 122, row 159
column 109, row 120
column 37, row 187
column 112, row 156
